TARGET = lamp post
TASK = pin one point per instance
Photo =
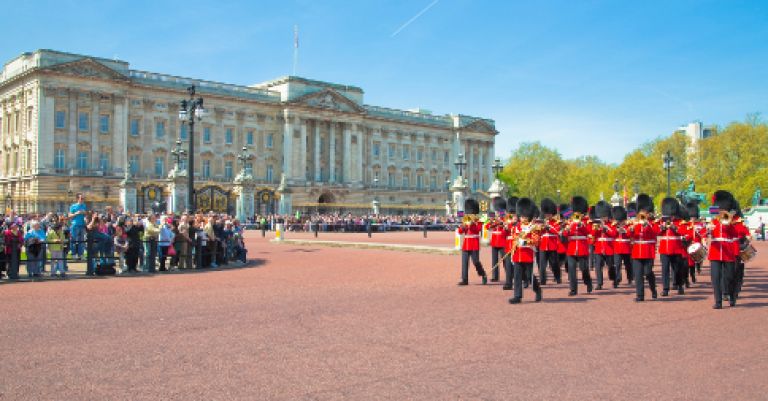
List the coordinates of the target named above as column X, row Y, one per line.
column 669, row 162
column 558, row 197
column 448, row 190
column 178, row 153
column 244, row 157
column 460, row 163
column 190, row 110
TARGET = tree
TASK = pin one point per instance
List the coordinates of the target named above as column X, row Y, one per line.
column 535, row 169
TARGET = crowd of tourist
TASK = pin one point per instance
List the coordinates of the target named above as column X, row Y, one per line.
column 355, row 223
column 114, row 241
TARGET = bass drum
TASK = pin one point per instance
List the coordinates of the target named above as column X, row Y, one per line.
column 747, row 252
column 698, row 252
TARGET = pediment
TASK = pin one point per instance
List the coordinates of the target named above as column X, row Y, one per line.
column 88, row 68
column 480, row 126
column 330, row 100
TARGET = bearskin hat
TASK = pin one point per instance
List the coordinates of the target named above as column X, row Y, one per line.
column 603, row 210
column 723, row 200
column 683, row 213
column 631, row 209
column 512, row 204
column 693, row 210
column 471, row 206
column 526, row 208
column 592, row 213
column 619, row 213
column 644, row 202
column 499, row 204
column 563, row 207
column 548, row 206
column 536, row 212
column 670, row 207
column 579, row 204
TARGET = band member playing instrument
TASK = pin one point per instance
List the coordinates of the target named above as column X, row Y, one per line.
column 495, row 226
column 604, row 234
column 671, row 247
column 576, row 233
column 550, row 240
column 561, row 244
column 722, row 253
column 622, row 249
column 744, row 238
column 699, row 234
column 643, row 234
column 470, row 248
column 526, row 235
column 511, row 221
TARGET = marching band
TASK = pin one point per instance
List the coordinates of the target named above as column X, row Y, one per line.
column 623, row 241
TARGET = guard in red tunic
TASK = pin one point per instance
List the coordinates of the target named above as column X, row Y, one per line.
column 549, row 242
column 744, row 238
column 686, row 231
column 643, row 234
column 511, row 221
column 622, row 248
column 722, row 253
column 525, row 236
column 576, row 232
column 696, row 235
column 470, row 248
column 604, row 234
column 670, row 247
column 561, row 243
column 495, row 226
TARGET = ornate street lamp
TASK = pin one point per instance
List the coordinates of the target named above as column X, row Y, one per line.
column 189, row 111
column 460, row 163
column 178, row 153
column 244, row 157
column 497, row 167
column 448, row 189
column 669, row 162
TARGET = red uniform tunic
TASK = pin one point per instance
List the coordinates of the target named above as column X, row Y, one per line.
column 644, row 240
column 604, row 240
column 498, row 236
column 524, row 250
column 471, row 233
column 577, row 234
column 721, row 245
column 622, row 243
column 687, row 233
column 671, row 240
column 550, row 238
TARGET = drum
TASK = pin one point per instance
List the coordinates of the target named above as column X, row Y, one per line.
column 747, row 252
column 698, row 252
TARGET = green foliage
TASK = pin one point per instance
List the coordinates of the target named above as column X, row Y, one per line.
column 734, row 159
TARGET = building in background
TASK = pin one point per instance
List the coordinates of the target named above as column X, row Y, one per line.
column 73, row 123
column 695, row 131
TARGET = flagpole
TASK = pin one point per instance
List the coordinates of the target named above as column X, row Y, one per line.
column 295, row 48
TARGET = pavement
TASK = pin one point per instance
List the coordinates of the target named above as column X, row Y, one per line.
column 326, row 323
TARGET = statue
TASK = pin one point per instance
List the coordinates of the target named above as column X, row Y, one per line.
column 757, row 197
column 690, row 195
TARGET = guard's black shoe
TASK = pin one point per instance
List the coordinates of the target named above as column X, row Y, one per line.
column 462, row 283
column 674, row 286
column 732, row 302
column 572, row 294
column 589, row 288
column 485, row 280
column 558, row 281
column 717, row 306
column 599, row 287
column 654, row 294
column 664, row 293
column 639, row 299
column 681, row 290
column 494, row 280
column 538, row 296
column 514, row 300
column 525, row 284
column 507, row 288
column 694, row 280
column 615, row 284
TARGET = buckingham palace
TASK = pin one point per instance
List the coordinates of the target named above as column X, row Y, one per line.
column 73, row 123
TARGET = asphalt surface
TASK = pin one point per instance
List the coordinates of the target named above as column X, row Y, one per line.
column 319, row 323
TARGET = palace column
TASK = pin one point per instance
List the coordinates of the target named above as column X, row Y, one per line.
column 45, row 137
column 318, row 172
column 359, row 164
column 72, row 134
column 302, row 173
column 347, row 153
column 120, row 134
column 332, row 151
column 288, row 145
column 95, row 118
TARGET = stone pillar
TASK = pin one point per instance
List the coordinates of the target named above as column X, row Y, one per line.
column 358, row 167
column 459, row 190
column 177, row 187
column 72, row 134
column 120, row 134
column 375, row 206
column 318, row 171
column 448, row 211
column 128, row 194
column 302, row 173
column 347, row 153
column 244, row 187
column 286, row 203
column 288, row 146
column 332, row 152
column 45, row 113
column 95, row 114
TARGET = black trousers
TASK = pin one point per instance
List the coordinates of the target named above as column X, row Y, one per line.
column 671, row 265
column 739, row 277
column 508, row 271
column 519, row 269
column 496, row 254
column 604, row 260
column 723, row 279
column 618, row 260
column 548, row 258
column 579, row 262
column 692, row 271
column 643, row 269
column 465, row 256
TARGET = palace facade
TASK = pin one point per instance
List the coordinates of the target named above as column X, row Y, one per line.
column 73, row 123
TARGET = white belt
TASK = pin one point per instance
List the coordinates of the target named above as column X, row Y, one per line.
column 604, row 239
column 472, row 236
column 725, row 239
column 548, row 235
column 621, row 240
column 577, row 237
column 670, row 238
column 645, row 242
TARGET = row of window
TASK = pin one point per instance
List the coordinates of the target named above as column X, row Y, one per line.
column 83, row 121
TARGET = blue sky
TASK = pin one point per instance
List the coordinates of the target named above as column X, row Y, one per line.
column 585, row 77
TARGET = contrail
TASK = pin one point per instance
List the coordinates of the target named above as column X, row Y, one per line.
column 414, row 18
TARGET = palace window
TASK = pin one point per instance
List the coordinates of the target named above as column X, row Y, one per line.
column 433, row 183
column 270, row 172
column 159, row 166
column 60, row 119
column 160, row 129
column 59, row 159
column 82, row 121
column 228, row 170
column 434, row 155
column 228, row 136
column 270, row 140
column 446, row 157
column 406, row 180
column 104, row 161
column 104, row 123
column 183, row 133
column 391, row 151
column 419, row 155
column 391, row 180
column 406, row 152
column 207, row 135
column 82, row 160
column 419, row 181
column 206, row 168
column 133, row 164
column 249, row 138
column 134, row 127
column 249, row 168
column 376, row 150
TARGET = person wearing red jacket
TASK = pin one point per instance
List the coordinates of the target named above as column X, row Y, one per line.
column 576, row 233
column 722, row 252
column 622, row 248
column 604, row 234
column 549, row 242
column 643, row 234
column 670, row 247
column 744, row 237
column 470, row 248
column 495, row 226
column 525, row 240
column 561, row 244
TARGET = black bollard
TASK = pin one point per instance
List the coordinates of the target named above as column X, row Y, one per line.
column 425, row 230
column 316, row 228
column 263, row 230
column 13, row 263
column 370, row 229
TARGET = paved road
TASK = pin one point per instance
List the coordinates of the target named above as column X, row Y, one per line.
column 332, row 323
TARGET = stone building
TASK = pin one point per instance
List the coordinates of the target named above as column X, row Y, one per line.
column 73, row 123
